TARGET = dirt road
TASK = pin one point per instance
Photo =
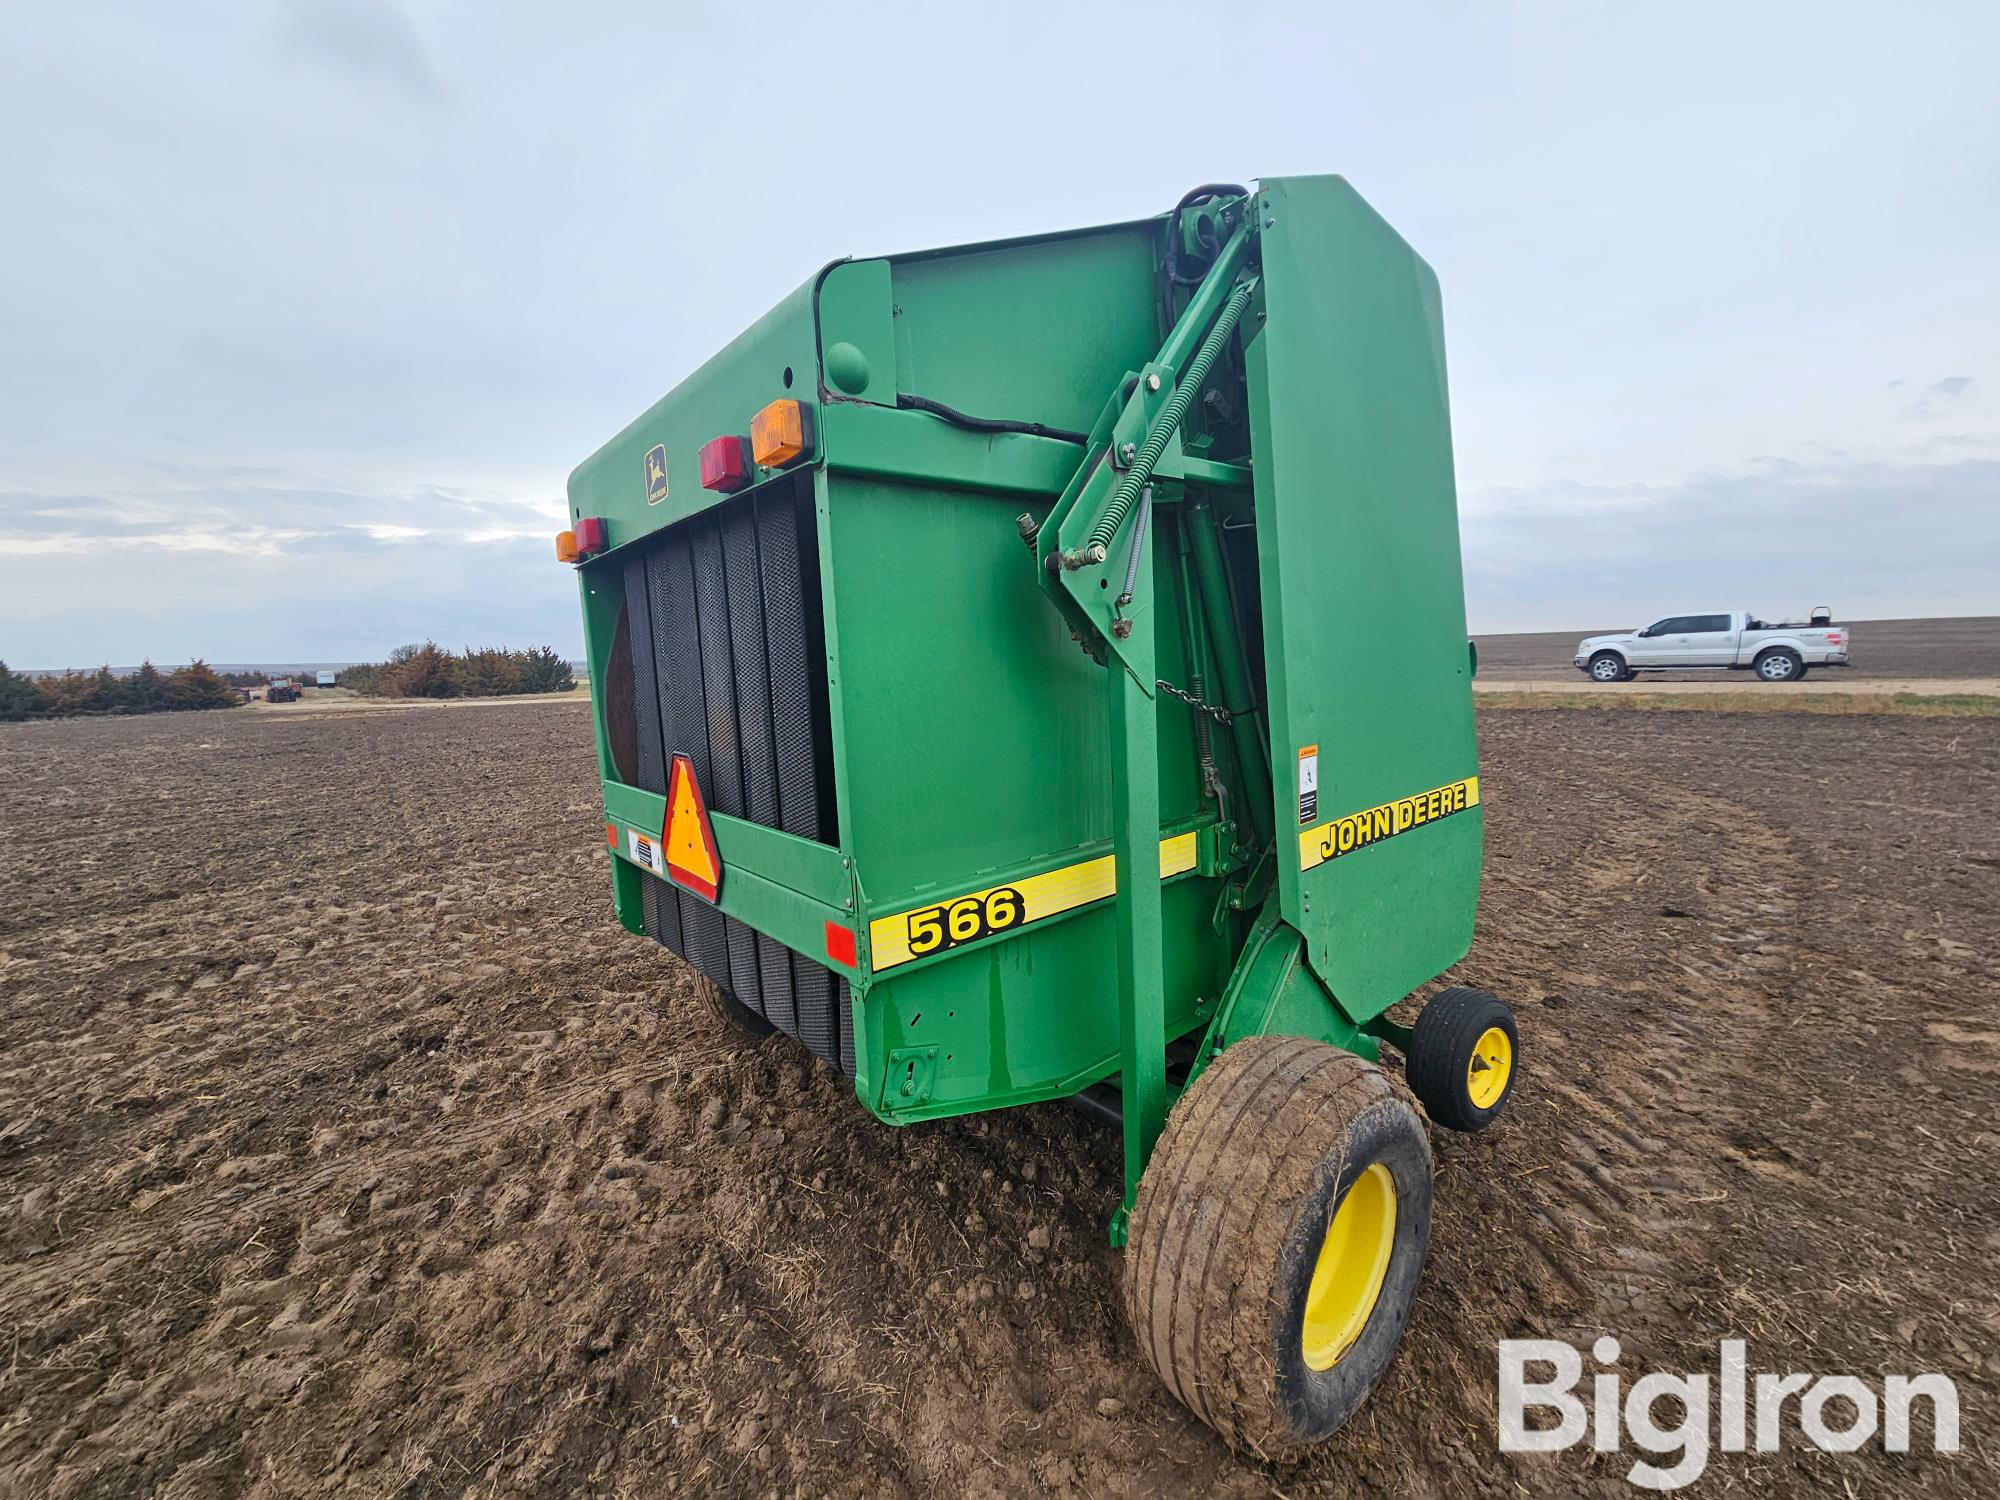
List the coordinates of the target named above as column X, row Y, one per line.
column 346, row 1146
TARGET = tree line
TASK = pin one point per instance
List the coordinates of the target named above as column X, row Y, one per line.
column 425, row 671
column 146, row 691
column 429, row 671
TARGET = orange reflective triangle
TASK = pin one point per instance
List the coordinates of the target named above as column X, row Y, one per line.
column 688, row 841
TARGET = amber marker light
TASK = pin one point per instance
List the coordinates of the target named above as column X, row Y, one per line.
column 781, row 434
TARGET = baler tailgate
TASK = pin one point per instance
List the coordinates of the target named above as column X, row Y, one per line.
column 1363, row 610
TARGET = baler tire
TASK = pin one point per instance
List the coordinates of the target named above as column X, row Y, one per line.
column 730, row 1011
column 1463, row 1035
column 1263, row 1153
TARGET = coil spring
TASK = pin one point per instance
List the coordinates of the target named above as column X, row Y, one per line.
column 1170, row 419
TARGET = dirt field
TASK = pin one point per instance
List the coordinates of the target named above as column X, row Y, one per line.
column 347, row 1146
column 1919, row 649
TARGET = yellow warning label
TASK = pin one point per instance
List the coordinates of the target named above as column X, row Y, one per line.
column 1374, row 824
column 964, row 919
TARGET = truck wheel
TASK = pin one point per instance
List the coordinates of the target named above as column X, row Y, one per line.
column 1608, row 666
column 1463, row 1059
column 727, row 1009
column 1277, row 1239
column 1780, row 664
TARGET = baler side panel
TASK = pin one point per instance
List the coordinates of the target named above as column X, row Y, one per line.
column 1035, row 332
column 972, row 728
column 1362, row 594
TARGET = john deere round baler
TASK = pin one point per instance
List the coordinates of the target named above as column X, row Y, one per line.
column 1037, row 670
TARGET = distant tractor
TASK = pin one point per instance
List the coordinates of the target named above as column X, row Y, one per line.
column 282, row 690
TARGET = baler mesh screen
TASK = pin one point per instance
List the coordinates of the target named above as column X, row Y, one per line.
column 735, row 679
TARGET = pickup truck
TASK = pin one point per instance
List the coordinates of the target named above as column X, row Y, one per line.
column 1735, row 641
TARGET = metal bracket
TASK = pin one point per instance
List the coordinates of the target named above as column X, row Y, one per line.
column 908, row 1082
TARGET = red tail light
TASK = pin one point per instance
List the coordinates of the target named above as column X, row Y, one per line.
column 725, row 464
column 840, row 944
column 590, row 536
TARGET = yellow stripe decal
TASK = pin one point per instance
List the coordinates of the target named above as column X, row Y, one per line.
column 964, row 919
column 1374, row 824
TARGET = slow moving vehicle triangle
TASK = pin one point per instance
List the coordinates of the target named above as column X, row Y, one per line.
column 687, row 839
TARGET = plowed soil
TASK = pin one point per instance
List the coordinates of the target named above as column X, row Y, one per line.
column 347, row 1146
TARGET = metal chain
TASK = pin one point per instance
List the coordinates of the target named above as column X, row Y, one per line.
column 1220, row 715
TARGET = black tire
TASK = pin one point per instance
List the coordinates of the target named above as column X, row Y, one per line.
column 1608, row 666
column 1450, row 1048
column 1262, row 1154
column 1779, row 664
column 730, row 1011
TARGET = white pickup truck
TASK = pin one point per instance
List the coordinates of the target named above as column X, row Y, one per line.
column 1736, row 641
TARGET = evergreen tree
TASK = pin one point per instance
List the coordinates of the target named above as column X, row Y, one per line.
column 426, row 672
column 20, row 696
column 67, row 694
column 106, row 694
column 543, row 670
column 197, row 685
column 146, row 691
column 490, row 673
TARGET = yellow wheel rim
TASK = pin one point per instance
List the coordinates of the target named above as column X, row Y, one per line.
column 1353, row 1260
column 1491, row 1066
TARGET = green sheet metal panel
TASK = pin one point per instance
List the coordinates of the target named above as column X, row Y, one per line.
column 972, row 747
column 857, row 333
column 969, row 729
column 1362, row 594
column 1031, row 1017
column 720, row 397
column 1034, row 330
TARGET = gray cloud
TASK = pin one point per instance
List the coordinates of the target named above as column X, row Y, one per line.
column 368, row 39
column 1940, row 393
column 331, row 596
column 1873, row 539
column 302, row 306
column 228, row 565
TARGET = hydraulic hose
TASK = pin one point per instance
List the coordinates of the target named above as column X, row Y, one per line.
column 1175, row 275
column 958, row 418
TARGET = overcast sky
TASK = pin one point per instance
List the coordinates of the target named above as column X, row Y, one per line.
column 308, row 308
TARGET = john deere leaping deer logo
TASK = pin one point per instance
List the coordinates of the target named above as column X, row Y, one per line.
column 656, row 474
